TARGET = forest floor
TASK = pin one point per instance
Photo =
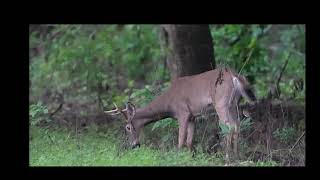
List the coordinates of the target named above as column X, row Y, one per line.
column 275, row 137
column 60, row 147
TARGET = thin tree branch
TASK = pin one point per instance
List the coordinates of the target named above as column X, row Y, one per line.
column 295, row 144
column 281, row 72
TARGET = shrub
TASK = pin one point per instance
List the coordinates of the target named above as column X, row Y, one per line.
column 285, row 135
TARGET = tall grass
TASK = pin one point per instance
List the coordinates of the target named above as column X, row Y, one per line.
column 61, row 147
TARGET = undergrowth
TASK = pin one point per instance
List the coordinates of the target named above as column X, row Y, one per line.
column 61, row 147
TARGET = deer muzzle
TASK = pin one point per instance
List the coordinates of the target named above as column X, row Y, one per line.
column 135, row 145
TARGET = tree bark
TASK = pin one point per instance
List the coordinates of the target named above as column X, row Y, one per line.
column 189, row 49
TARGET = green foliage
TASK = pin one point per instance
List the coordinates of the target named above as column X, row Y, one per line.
column 246, row 124
column 37, row 113
column 261, row 50
column 165, row 123
column 142, row 96
column 225, row 129
column 166, row 129
column 233, row 44
column 285, row 135
column 84, row 57
column 93, row 149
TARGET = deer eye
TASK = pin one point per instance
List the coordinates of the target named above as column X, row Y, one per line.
column 128, row 128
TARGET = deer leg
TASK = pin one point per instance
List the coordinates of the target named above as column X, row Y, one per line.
column 235, row 123
column 228, row 145
column 224, row 118
column 235, row 140
column 190, row 133
column 183, row 124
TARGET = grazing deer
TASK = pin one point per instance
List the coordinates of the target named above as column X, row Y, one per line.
column 186, row 98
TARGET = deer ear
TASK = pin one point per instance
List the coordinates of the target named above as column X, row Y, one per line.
column 131, row 110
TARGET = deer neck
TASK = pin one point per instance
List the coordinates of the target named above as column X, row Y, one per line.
column 154, row 111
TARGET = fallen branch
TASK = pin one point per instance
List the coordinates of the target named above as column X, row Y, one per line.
column 281, row 72
column 58, row 109
column 298, row 140
column 256, row 129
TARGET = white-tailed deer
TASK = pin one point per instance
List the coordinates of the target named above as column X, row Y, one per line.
column 186, row 98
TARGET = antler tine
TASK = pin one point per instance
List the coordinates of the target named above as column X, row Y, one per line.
column 114, row 110
column 111, row 111
column 124, row 110
column 115, row 105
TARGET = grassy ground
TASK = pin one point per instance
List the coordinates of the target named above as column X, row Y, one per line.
column 90, row 148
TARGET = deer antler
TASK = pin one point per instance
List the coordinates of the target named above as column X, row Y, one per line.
column 117, row 111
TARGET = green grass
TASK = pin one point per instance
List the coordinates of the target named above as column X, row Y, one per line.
column 63, row 148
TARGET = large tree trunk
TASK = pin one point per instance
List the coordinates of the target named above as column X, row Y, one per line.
column 189, row 49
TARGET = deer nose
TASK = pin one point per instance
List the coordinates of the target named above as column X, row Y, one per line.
column 136, row 145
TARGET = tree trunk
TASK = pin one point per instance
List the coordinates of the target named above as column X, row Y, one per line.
column 189, row 49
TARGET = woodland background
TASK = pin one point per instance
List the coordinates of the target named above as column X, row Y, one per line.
column 78, row 71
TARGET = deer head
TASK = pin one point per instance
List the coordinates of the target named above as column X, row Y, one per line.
column 132, row 130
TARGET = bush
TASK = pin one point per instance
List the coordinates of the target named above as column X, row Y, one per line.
column 38, row 114
column 285, row 135
column 246, row 124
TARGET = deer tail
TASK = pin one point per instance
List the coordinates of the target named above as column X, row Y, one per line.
column 245, row 90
